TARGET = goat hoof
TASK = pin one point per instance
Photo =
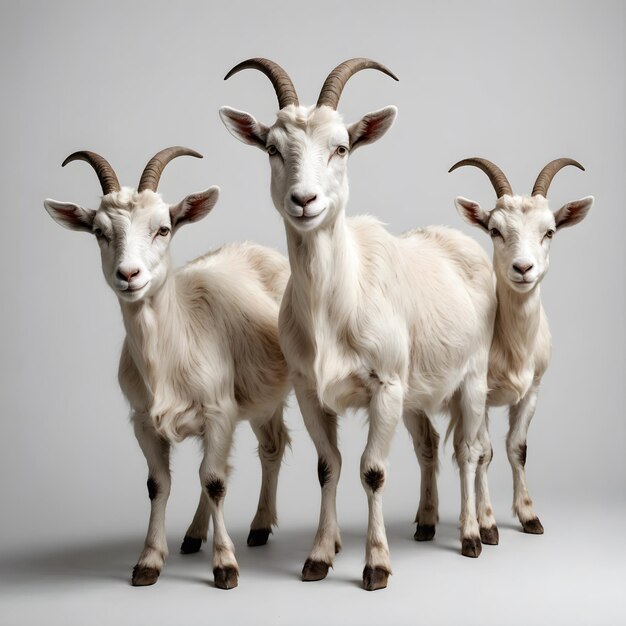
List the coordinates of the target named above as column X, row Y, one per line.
column 190, row 545
column 424, row 532
column 225, row 577
column 375, row 578
column 144, row 576
column 314, row 570
column 258, row 536
column 471, row 546
column 533, row 527
column 490, row 536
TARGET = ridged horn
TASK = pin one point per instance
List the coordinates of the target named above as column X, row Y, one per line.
column 285, row 91
column 153, row 170
column 106, row 174
column 542, row 184
column 337, row 79
column 496, row 175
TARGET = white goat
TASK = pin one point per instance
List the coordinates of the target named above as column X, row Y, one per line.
column 521, row 229
column 395, row 325
column 201, row 351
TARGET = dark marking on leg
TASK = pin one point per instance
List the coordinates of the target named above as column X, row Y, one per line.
column 225, row 577
column 144, row 576
column 481, row 459
column 153, row 488
column 375, row 578
column 374, row 478
column 323, row 472
column 216, row 489
column 424, row 532
column 522, row 453
column 314, row 570
column 190, row 545
column 490, row 536
column 258, row 536
column 471, row 546
column 533, row 527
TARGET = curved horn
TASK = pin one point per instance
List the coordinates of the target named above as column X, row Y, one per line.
column 337, row 79
column 106, row 175
column 546, row 175
column 153, row 170
column 283, row 86
column 496, row 175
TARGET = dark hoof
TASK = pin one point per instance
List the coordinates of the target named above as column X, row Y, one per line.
column 190, row 545
column 314, row 570
column 471, row 547
column 424, row 532
column 533, row 527
column 258, row 536
column 374, row 578
column 144, row 576
column 490, row 536
column 225, row 577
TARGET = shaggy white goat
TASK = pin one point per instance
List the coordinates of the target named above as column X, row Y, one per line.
column 201, row 351
column 400, row 326
column 521, row 229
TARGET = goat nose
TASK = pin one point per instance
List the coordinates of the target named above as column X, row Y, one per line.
column 522, row 268
column 302, row 200
column 127, row 274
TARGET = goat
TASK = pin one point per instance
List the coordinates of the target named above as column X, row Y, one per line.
column 521, row 229
column 201, row 351
column 395, row 325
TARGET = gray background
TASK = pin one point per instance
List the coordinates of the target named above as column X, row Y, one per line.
column 518, row 83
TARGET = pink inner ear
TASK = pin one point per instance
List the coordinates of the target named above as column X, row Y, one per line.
column 373, row 126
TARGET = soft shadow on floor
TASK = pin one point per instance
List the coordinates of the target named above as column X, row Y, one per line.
column 283, row 556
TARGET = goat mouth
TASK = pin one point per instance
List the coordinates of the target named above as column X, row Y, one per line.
column 131, row 289
column 307, row 219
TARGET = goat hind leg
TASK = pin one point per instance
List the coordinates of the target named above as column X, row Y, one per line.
column 272, row 436
column 426, row 445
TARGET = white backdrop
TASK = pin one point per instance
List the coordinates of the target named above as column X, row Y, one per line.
column 520, row 83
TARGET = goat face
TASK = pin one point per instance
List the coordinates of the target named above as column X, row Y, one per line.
column 134, row 230
column 521, row 229
column 308, row 150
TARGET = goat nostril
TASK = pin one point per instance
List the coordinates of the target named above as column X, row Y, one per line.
column 127, row 274
column 302, row 201
column 522, row 268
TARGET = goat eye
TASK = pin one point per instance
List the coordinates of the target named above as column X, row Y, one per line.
column 272, row 150
column 549, row 233
column 164, row 231
column 494, row 232
column 342, row 151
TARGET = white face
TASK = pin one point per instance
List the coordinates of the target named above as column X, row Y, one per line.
column 308, row 149
column 521, row 229
column 134, row 231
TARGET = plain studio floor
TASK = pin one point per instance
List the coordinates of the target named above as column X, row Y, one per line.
column 573, row 574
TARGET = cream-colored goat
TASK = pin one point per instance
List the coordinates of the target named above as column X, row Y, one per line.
column 201, row 351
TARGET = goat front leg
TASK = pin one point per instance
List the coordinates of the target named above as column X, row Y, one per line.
column 426, row 445
column 272, row 436
column 384, row 414
column 520, row 416
column 322, row 427
column 217, row 442
column 489, row 534
column 468, row 407
column 157, row 453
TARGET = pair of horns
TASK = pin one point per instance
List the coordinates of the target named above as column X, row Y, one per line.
column 502, row 185
column 151, row 173
column 331, row 90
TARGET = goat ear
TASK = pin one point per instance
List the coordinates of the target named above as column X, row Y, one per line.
column 371, row 127
column 471, row 212
column 244, row 127
column 573, row 212
column 194, row 207
column 70, row 215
